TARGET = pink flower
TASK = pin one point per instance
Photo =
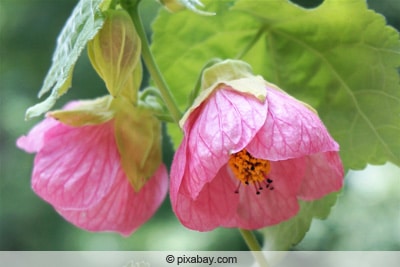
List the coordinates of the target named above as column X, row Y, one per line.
column 78, row 171
column 245, row 162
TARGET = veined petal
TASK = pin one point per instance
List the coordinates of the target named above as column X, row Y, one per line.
column 77, row 166
column 291, row 130
column 33, row 142
column 226, row 122
column 218, row 204
column 214, row 206
column 122, row 210
column 178, row 169
column 271, row 206
column 324, row 175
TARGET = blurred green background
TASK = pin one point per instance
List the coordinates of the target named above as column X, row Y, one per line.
column 366, row 217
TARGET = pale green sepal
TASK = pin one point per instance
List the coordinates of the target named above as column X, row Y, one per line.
column 236, row 74
column 253, row 86
column 233, row 73
column 138, row 137
column 225, row 70
column 82, row 25
column 87, row 112
column 115, row 51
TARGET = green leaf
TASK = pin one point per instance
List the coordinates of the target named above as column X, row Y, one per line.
column 83, row 24
column 340, row 57
column 287, row 234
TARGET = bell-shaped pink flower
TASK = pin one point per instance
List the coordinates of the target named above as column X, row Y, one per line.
column 247, row 157
column 78, row 170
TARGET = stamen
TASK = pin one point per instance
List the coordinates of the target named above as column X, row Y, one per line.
column 259, row 185
column 255, row 187
column 237, row 188
column 250, row 170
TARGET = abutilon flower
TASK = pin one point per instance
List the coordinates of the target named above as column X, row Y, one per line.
column 98, row 163
column 250, row 151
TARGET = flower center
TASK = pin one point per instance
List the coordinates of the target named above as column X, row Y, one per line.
column 250, row 170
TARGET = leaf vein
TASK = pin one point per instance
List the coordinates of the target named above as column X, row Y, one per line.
column 344, row 86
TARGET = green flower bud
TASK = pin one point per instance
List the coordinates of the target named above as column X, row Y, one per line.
column 115, row 51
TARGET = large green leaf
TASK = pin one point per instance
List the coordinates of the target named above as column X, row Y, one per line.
column 339, row 57
column 83, row 24
column 287, row 234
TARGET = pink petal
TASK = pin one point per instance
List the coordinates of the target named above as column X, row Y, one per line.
column 290, row 131
column 178, row 169
column 218, row 204
column 226, row 122
column 76, row 167
column 34, row 141
column 122, row 210
column 272, row 206
column 324, row 175
column 214, row 206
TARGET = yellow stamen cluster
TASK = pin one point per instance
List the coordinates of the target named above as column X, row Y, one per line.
column 249, row 169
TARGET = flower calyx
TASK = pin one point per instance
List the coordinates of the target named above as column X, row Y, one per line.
column 235, row 74
column 85, row 112
column 138, row 137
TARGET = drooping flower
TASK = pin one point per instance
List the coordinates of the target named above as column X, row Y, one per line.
column 99, row 165
column 249, row 153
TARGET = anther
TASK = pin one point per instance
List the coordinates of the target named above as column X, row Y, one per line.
column 259, row 185
column 250, row 170
column 255, row 187
column 237, row 188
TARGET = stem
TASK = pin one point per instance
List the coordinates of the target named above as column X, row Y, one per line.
column 133, row 10
column 253, row 245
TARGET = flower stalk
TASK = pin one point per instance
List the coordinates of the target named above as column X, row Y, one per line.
column 133, row 9
column 254, row 246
